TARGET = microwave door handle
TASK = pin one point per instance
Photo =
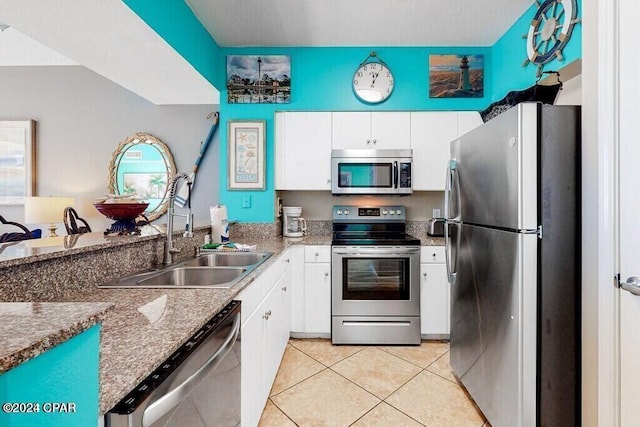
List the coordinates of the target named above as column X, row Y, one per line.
column 395, row 174
column 166, row 403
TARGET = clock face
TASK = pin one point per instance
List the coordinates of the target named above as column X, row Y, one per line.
column 373, row 82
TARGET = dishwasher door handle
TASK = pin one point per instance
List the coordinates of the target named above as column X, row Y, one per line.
column 166, row 403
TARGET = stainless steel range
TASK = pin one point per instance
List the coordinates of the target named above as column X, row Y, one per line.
column 375, row 286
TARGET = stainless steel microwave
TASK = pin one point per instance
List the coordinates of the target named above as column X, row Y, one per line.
column 371, row 171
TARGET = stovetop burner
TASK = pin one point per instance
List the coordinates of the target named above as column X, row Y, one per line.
column 371, row 226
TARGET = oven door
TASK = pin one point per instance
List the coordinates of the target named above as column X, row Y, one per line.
column 375, row 281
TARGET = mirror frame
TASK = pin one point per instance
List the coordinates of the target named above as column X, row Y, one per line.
column 143, row 138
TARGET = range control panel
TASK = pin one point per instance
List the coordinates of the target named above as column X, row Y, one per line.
column 369, row 213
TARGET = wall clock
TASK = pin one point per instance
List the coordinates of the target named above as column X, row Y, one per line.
column 373, row 81
column 550, row 30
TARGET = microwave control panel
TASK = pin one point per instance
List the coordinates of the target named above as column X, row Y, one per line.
column 405, row 175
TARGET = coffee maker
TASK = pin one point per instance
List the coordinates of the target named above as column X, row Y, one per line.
column 293, row 224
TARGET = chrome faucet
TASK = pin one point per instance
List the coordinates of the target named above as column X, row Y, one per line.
column 169, row 249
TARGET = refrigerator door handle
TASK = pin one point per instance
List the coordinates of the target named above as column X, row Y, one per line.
column 452, row 189
column 451, row 254
column 632, row 285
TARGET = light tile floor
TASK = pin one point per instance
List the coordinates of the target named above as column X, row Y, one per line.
column 319, row 384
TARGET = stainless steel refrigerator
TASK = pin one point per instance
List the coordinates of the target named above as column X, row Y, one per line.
column 513, row 258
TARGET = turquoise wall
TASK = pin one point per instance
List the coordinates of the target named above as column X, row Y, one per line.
column 68, row 373
column 510, row 51
column 321, row 81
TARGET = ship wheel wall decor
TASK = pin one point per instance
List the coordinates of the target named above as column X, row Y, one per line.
column 549, row 32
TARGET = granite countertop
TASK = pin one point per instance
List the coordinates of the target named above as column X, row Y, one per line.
column 140, row 327
column 145, row 326
column 29, row 251
column 49, row 324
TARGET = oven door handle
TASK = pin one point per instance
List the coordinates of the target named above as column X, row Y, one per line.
column 166, row 403
column 378, row 250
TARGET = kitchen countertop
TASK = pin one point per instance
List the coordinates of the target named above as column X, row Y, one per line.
column 29, row 251
column 145, row 326
column 48, row 324
column 140, row 327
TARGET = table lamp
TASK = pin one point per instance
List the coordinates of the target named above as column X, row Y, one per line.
column 43, row 210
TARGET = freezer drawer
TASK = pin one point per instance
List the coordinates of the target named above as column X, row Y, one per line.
column 493, row 323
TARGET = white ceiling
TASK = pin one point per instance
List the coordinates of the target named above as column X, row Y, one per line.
column 106, row 37
column 357, row 22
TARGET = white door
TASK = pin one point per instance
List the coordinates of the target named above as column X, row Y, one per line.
column 391, row 130
column 351, row 129
column 629, row 208
column 303, row 151
column 431, row 133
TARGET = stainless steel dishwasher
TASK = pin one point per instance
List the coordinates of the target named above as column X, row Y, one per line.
column 198, row 385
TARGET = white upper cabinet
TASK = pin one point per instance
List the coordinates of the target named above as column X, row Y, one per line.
column 468, row 120
column 431, row 133
column 389, row 130
column 303, row 150
column 304, row 141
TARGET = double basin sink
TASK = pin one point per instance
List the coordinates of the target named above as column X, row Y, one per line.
column 213, row 270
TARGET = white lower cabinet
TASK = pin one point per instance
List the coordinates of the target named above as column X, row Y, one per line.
column 264, row 336
column 434, row 293
column 317, row 291
column 297, row 289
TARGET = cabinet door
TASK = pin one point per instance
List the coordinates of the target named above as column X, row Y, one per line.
column 431, row 133
column 297, row 288
column 434, row 299
column 351, row 130
column 317, row 298
column 303, row 157
column 253, row 389
column 468, row 120
column 276, row 328
column 391, row 130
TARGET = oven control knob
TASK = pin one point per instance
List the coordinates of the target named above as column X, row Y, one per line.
column 391, row 212
column 346, row 211
column 398, row 212
column 384, row 211
column 339, row 212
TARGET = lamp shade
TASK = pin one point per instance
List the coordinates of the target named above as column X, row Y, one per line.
column 45, row 210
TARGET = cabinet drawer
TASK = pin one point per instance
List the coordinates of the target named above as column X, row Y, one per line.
column 317, row 254
column 432, row 255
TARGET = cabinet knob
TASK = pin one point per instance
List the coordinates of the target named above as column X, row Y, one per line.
column 287, row 260
column 368, row 141
column 374, row 141
column 328, row 181
column 434, row 255
column 317, row 254
column 424, row 274
column 267, row 315
column 326, row 274
column 284, row 289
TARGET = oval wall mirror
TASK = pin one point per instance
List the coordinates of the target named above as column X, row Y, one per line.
column 142, row 165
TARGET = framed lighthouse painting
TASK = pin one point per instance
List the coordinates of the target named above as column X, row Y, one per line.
column 456, row 76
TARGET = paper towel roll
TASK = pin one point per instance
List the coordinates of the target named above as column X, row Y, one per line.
column 219, row 224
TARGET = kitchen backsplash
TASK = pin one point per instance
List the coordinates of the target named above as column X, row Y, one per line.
column 52, row 279
column 316, row 205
